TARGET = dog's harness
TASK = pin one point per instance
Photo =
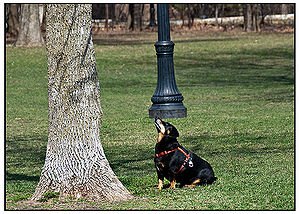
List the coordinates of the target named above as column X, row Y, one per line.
column 187, row 157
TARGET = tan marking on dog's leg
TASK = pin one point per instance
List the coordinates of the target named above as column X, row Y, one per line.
column 161, row 164
column 160, row 137
column 160, row 184
column 173, row 183
column 194, row 183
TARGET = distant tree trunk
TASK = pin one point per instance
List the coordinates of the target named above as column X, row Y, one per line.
column 256, row 19
column 13, row 20
column 189, row 16
column 130, row 17
column 152, row 16
column 247, row 17
column 182, row 14
column 217, row 13
column 121, row 12
column 75, row 163
column 141, row 16
column 138, row 16
column 30, row 27
column 106, row 17
column 284, row 9
column 251, row 17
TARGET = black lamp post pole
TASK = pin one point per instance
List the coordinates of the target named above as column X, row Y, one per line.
column 167, row 100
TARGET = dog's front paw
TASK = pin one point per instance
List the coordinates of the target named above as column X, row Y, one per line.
column 160, row 184
column 173, row 184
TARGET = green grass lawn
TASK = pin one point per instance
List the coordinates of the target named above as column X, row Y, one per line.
column 239, row 92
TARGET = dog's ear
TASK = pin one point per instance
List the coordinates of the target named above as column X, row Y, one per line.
column 171, row 131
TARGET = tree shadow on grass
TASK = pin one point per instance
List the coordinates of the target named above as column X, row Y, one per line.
column 236, row 144
column 20, row 177
column 246, row 67
column 221, row 67
column 24, row 152
column 140, row 161
column 27, row 148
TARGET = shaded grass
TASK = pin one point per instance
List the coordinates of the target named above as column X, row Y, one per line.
column 239, row 91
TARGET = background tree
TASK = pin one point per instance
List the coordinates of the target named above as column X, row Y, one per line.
column 251, row 17
column 284, row 8
column 130, row 17
column 75, row 162
column 30, row 27
column 13, row 19
column 138, row 17
column 135, row 17
column 190, row 18
column 106, row 16
column 121, row 12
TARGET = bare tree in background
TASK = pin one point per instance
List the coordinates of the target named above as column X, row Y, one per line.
column 130, row 17
column 135, row 17
column 13, row 19
column 138, row 16
column 30, row 26
column 284, row 8
column 75, row 163
column 251, row 17
column 106, row 16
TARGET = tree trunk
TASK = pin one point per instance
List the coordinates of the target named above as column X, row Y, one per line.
column 189, row 16
column 13, row 20
column 182, row 14
column 106, row 16
column 284, row 9
column 251, row 17
column 152, row 16
column 217, row 13
column 256, row 19
column 247, row 19
column 121, row 12
column 30, row 28
column 130, row 17
column 138, row 16
column 75, row 163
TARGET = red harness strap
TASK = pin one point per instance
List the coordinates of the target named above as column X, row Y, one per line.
column 178, row 148
column 165, row 152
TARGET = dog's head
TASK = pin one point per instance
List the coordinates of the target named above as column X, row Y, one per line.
column 165, row 129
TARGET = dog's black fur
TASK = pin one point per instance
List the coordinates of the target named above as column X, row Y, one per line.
column 196, row 171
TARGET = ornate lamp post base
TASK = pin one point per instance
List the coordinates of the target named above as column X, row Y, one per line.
column 167, row 99
column 168, row 110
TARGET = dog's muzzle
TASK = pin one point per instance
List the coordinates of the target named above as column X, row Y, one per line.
column 159, row 125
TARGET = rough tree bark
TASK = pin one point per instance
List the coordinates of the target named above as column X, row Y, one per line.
column 75, row 162
column 30, row 27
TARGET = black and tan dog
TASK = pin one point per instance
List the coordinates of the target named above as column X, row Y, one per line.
column 175, row 163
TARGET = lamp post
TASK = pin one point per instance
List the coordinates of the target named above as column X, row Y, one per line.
column 167, row 100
